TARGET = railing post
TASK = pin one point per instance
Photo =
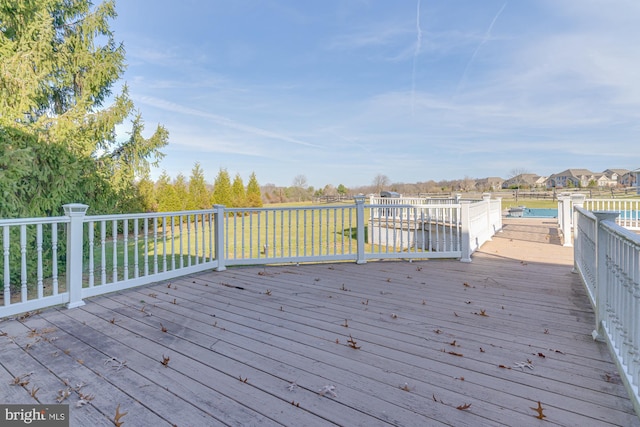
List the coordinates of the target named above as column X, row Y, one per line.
column 465, row 227
column 76, row 213
column 499, row 228
column 565, row 206
column 577, row 201
column 601, row 272
column 361, row 259
column 218, row 238
column 486, row 197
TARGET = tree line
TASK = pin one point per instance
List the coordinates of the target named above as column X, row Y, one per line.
column 179, row 194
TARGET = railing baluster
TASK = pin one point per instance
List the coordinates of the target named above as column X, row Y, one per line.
column 136, row 254
column 146, row 246
column 180, row 229
column 91, row 239
column 39, row 251
column 155, row 245
column 54, row 258
column 173, row 242
column 164, row 243
column 125, row 249
column 103, row 249
column 7, row 272
column 23, row 263
column 114, row 233
column 196, row 231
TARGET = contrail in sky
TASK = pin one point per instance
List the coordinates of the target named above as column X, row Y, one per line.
column 415, row 57
column 484, row 40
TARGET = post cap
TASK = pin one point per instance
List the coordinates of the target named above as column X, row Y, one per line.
column 75, row 209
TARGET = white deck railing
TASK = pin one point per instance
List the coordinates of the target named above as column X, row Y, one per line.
column 62, row 260
column 628, row 212
column 607, row 257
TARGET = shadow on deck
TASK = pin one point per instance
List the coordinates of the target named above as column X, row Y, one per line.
column 437, row 342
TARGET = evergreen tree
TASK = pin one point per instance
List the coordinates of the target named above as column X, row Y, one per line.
column 238, row 193
column 59, row 61
column 167, row 198
column 254, row 198
column 182, row 192
column 199, row 197
column 146, row 192
column 222, row 194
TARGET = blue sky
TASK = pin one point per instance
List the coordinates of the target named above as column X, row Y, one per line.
column 343, row 90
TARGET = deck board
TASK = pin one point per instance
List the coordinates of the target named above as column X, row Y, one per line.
column 282, row 325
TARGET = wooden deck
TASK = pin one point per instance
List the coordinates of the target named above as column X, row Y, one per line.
column 255, row 346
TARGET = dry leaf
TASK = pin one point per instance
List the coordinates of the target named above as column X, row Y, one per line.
column 406, row 387
column 116, row 419
column 63, row 394
column 453, row 353
column 539, row 410
column 165, row 360
column 328, row 389
column 352, row 343
column 464, row 406
column 523, row 365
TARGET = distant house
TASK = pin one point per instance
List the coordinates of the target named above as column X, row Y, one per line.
column 570, row 178
column 628, row 179
column 636, row 172
column 524, row 180
column 491, row 183
column 584, row 178
column 615, row 176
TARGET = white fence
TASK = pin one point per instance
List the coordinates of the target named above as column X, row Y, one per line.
column 628, row 212
column 62, row 260
column 433, row 227
column 607, row 257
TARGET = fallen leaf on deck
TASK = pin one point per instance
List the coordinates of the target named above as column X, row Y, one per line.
column 328, row 389
column 539, row 410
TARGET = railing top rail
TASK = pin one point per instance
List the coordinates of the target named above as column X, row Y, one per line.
column 291, row 208
column 621, row 232
column 410, row 206
column 89, row 218
column 29, row 221
column 585, row 212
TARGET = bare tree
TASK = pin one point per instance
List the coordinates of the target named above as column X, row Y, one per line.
column 300, row 186
column 380, row 181
column 468, row 183
column 517, row 175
